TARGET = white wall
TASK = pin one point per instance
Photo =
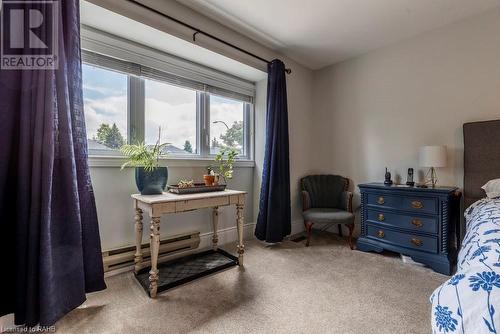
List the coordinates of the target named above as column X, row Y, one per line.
column 302, row 144
column 376, row 110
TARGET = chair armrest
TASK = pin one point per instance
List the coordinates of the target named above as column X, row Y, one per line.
column 306, row 200
column 346, row 201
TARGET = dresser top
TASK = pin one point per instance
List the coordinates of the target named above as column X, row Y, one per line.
column 402, row 187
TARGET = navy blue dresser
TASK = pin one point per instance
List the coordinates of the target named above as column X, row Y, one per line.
column 417, row 222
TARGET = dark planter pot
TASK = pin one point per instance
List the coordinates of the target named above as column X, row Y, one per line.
column 151, row 183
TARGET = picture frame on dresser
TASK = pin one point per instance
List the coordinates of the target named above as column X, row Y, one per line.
column 416, row 222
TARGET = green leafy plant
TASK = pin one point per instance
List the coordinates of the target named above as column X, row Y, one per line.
column 225, row 162
column 142, row 155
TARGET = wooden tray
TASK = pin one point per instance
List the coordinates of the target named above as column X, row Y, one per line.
column 198, row 188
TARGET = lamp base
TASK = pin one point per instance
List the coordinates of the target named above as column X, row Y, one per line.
column 431, row 177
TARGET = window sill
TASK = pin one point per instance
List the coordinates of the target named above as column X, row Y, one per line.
column 113, row 161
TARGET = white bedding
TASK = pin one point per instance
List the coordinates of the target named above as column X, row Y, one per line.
column 469, row 302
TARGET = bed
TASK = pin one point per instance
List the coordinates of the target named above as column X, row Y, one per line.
column 469, row 302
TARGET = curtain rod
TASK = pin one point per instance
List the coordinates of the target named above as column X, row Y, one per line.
column 199, row 31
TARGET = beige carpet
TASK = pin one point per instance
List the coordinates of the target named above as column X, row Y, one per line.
column 287, row 288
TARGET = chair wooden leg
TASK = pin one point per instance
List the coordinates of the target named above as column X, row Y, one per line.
column 308, row 226
column 340, row 230
column 351, row 229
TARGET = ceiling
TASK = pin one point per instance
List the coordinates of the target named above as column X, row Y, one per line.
column 317, row 33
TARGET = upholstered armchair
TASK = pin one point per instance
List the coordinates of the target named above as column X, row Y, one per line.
column 326, row 200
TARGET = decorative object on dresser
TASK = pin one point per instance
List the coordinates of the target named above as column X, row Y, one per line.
column 326, row 200
column 416, row 222
column 432, row 157
column 409, row 178
column 387, row 177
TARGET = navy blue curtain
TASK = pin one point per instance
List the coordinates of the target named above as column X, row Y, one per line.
column 274, row 220
column 49, row 240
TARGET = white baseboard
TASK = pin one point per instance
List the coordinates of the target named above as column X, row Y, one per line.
column 297, row 226
column 226, row 236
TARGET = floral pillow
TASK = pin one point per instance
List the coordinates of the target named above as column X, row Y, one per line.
column 492, row 188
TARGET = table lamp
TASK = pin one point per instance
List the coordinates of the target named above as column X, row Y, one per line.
column 432, row 157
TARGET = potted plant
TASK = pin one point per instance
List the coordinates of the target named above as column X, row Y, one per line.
column 225, row 162
column 209, row 178
column 150, row 178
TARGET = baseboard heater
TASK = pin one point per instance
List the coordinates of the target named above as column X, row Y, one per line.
column 170, row 248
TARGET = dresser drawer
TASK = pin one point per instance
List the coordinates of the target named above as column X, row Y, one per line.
column 406, row 221
column 407, row 203
column 422, row 243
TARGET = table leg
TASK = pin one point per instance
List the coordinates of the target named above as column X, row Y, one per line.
column 154, row 246
column 215, row 222
column 239, row 223
column 138, row 240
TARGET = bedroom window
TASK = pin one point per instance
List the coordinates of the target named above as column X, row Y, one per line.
column 127, row 102
column 105, row 95
column 174, row 110
column 228, row 124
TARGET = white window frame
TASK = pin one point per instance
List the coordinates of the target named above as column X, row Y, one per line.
column 117, row 54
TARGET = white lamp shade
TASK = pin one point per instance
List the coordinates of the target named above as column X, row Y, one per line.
column 432, row 156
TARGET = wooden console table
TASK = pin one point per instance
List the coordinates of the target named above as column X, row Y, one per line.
column 158, row 205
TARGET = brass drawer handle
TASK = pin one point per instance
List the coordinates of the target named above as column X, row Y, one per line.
column 417, row 222
column 381, row 234
column 417, row 205
column 381, row 217
column 416, row 242
column 380, row 200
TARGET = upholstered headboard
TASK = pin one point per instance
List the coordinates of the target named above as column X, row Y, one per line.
column 481, row 157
